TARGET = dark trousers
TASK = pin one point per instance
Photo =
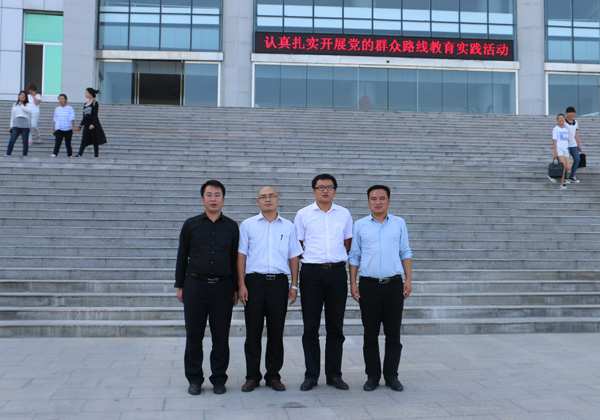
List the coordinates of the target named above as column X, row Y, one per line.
column 82, row 149
column 266, row 299
column 204, row 301
column 574, row 152
column 59, row 135
column 381, row 303
column 320, row 286
column 15, row 132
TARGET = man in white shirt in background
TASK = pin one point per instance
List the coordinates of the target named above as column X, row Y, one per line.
column 267, row 254
column 64, row 115
column 325, row 231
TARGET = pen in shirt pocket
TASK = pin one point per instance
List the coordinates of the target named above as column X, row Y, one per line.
column 281, row 239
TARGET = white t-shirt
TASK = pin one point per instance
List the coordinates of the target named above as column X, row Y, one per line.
column 572, row 131
column 561, row 136
column 35, row 108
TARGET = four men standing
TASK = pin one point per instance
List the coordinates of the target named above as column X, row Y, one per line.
column 263, row 253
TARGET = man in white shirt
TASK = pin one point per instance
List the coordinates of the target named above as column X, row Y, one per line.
column 325, row 231
column 574, row 141
column 268, row 253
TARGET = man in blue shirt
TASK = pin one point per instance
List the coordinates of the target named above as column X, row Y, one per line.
column 381, row 255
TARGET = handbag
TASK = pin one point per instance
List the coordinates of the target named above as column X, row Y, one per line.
column 555, row 169
column 582, row 160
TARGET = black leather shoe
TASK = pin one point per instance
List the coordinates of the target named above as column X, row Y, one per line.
column 308, row 384
column 394, row 384
column 250, row 385
column 276, row 385
column 195, row 389
column 338, row 383
column 371, row 385
column 219, row 389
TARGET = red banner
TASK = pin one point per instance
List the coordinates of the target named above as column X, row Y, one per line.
column 384, row 46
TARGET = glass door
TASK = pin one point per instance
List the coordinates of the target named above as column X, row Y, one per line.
column 159, row 82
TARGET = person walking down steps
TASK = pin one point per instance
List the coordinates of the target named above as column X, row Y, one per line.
column 35, row 99
column 63, row 125
column 92, row 132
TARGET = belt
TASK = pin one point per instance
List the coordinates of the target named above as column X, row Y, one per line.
column 382, row 280
column 270, row 277
column 327, row 266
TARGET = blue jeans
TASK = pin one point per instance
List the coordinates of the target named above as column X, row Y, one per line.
column 574, row 151
column 15, row 132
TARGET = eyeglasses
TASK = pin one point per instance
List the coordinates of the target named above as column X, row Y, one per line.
column 267, row 197
column 324, row 188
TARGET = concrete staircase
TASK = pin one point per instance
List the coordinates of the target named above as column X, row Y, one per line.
column 87, row 246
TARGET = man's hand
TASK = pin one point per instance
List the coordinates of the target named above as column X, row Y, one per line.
column 354, row 291
column 407, row 288
column 292, row 295
column 180, row 294
column 243, row 294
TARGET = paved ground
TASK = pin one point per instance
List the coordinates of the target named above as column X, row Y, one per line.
column 446, row 377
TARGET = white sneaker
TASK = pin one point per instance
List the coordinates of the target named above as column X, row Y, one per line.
column 574, row 180
column 53, row 155
column 552, row 179
column 563, row 187
column 567, row 181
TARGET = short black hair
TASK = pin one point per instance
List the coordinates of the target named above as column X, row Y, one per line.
column 379, row 187
column 64, row 95
column 570, row 109
column 32, row 86
column 212, row 183
column 324, row 177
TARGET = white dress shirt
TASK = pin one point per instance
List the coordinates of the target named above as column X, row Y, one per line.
column 63, row 118
column 268, row 246
column 323, row 233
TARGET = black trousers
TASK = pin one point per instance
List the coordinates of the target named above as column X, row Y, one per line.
column 266, row 299
column 328, row 286
column 15, row 132
column 381, row 304
column 82, row 149
column 204, row 301
column 59, row 136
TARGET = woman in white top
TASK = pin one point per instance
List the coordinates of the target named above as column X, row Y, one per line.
column 560, row 147
column 20, row 122
column 35, row 99
column 63, row 125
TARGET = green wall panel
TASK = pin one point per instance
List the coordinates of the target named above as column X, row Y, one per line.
column 43, row 28
column 52, row 69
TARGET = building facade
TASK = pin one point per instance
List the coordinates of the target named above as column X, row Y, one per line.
column 474, row 56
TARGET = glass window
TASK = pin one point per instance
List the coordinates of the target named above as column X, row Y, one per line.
column 454, row 91
column 293, row 86
column 372, row 88
column 416, row 10
column 160, row 24
column 473, row 11
column 586, row 13
column 430, row 90
column 267, row 86
column 446, row 30
column 588, row 92
column 302, row 8
column 501, row 11
column 586, row 46
column 357, row 9
column 113, row 31
column 416, row 28
column 387, row 9
column 444, row 10
column 345, row 81
column 504, row 93
column 328, row 8
column 562, row 92
column 144, row 31
column 269, row 7
column 116, row 82
column 402, row 90
column 481, row 92
column 560, row 44
column 201, row 83
column 175, row 32
column 558, row 12
column 320, row 87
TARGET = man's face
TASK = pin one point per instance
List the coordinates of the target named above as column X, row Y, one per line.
column 571, row 116
column 213, row 199
column 379, row 202
column 324, row 191
column 267, row 200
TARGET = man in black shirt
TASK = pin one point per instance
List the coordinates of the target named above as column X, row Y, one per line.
column 205, row 279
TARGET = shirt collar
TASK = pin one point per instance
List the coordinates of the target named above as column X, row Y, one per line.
column 204, row 216
column 373, row 219
column 315, row 206
column 262, row 217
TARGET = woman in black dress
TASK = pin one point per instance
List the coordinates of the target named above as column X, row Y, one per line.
column 93, row 134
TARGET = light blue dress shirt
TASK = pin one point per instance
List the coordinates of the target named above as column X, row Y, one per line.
column 379, row 248
column 268, row 246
